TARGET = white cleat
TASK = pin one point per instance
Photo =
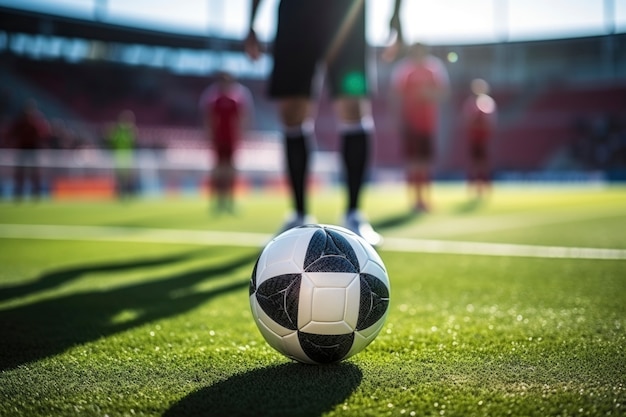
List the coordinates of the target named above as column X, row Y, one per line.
column 296, row 220
column 356, row 223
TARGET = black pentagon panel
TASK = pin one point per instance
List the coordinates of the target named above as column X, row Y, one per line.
column 374, row 301
column 278, row 297
column 329, row 251
column 253, row 278
column 316, row 248
column 325, row 348
column 345, row 247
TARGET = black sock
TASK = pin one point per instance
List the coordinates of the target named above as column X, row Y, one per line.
column 297, row 156
column 355, row 151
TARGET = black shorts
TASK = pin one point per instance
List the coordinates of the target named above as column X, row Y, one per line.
column 310, row 32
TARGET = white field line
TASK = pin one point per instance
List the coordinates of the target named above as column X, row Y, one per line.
column 459, row 226
column 499, row 249
column 395, row 244
column 132, row 234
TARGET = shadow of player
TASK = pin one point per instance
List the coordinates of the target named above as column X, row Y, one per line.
column 396, row 220
column 470, row 206
column 48, row 327
column 57, row 278
column 288, row 390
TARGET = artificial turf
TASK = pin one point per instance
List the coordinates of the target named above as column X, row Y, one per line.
column 123, row 328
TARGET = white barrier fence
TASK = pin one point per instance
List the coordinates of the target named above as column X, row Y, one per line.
column 153, row 171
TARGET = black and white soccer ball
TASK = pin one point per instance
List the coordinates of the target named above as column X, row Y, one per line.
column 319, row 293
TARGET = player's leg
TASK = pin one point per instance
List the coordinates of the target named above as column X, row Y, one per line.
column 297, row 49
column 424, row 160
column 422, row 185
column 228, row 197
column 473, row 169
column 298, row 132
column 355, row 124
column 18, row 182
column 484, row 176
column 355, row 130
column 346, row 60
column 218, row 188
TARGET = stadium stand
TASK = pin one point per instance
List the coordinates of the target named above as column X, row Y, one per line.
column 551, row 96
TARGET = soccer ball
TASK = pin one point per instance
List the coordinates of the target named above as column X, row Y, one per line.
column 319, row 293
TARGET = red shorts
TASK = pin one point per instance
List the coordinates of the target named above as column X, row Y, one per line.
column 418, row 146
column 478, row 151
column 224, row 154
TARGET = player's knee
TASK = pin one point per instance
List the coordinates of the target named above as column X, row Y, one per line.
column 294, row 111
column 351, row 110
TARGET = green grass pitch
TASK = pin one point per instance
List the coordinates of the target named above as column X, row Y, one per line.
column 107, row 321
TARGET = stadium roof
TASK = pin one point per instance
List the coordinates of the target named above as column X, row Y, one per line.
column 438, row 23
column 24, row 21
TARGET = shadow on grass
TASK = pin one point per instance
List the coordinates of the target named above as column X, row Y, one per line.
column 395, row 220
column 286, row 390
column 48, row 327
column 470, row 206
column 58, row 278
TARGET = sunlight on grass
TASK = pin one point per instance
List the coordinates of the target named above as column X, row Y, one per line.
column 152, row 329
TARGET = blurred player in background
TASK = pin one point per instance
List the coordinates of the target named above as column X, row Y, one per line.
column 122, row 138
column 329, row 34
column 226, row 108
column 479, row 120
column 28, row 133
column 419, row 82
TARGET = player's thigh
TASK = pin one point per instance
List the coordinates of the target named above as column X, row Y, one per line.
column 352, row 109
column 346, row 62
column 296, row 51
column 294, row 111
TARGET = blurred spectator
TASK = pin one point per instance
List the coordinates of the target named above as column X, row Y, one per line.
column 121, row 139
column 479, row 115
column 419, row 82
column 226, row 108
column 27, row 134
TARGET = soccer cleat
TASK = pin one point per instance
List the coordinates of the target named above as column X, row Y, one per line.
column 296, row 220
column 356, row 223
column 421, row 207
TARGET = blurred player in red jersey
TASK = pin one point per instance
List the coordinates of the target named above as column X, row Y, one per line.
column 479, row 120
column 419, row 82
column 28, row 133
column 327, row 35
column 226, row 108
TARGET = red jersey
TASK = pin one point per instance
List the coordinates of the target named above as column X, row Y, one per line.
column 417, row 83
column 479, row 117
column 29, row 131
column 224, row 111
